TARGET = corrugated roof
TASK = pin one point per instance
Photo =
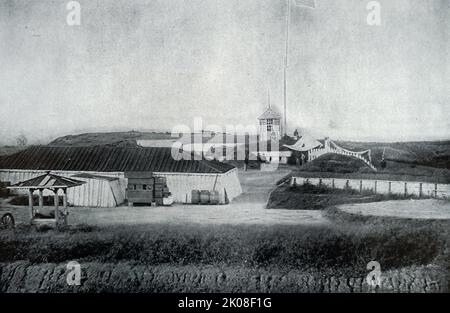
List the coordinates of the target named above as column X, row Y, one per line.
column 107, row 159
column 48, row 181
column 92, row 176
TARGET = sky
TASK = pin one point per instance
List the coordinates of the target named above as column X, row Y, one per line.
column 158, row 64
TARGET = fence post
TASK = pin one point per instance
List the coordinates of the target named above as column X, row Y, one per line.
column 332, row 183
column 376, row 186
column 320, row 182
column 406, row 189
column 435, row 190
column 360, row 186
column 347, row 184
column 390, row 187
column 420, row 190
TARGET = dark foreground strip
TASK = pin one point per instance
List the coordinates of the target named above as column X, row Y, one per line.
column 220, row 302
column 23, row 277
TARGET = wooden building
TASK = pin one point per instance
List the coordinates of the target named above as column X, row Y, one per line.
column 104, row 170
column 270, row 125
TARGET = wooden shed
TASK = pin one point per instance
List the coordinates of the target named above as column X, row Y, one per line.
column 103, row 169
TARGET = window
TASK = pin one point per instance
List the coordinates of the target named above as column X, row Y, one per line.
column 134, row 187
column 269, row 125
column 144, row 187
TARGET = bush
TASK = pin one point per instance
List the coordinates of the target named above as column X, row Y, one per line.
column 346, row 248
column 4, row 193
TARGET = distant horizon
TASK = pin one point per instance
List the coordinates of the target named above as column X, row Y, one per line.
column 34, row 141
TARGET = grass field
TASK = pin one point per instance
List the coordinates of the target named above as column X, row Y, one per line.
column 330, row 247
column 311, row 197
column 430, row 209
column 197, row 258
column 339, row 166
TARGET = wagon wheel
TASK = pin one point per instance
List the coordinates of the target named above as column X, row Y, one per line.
column 8, row 220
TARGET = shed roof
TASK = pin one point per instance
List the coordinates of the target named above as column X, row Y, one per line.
column 48, row 181
column 107, row 159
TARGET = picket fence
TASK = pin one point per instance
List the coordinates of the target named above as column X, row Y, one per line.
column 406, row 188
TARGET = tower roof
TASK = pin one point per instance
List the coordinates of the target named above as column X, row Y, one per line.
column 270, row 114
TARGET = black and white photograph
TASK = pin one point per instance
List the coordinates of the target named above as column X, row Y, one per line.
column 240, row 147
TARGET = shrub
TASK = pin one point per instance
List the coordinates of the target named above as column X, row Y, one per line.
column 346, row 248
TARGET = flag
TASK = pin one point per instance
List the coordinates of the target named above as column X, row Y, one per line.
column 306, row 3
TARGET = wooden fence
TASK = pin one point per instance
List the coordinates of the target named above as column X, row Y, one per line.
column 315, row 153
column 406, row 188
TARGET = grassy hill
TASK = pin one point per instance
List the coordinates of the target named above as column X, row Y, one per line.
column 425, row 153
column 112, row 138
column 339, row 166
column 403, row 157
column 335, row 163
column 7, row 150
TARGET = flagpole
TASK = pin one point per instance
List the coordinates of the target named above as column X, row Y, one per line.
column 288, row 15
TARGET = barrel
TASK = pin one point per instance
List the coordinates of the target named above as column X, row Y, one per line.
column 214, row 197
column 195, row 197
column 204, row 197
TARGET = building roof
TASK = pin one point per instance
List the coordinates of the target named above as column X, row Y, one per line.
column 270, row 114
column 305, row 143
column 107, row 159
column 47, row 181
column 94, row 176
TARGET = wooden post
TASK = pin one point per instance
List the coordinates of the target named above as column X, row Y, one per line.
column 390, row 187
column 420, row 190
column 332, row 183
column 435, row 190
column 360, row 186
column 56, row 207
column 376, row 186
column 320, row 181
column 65, row 206
column 41, row 199
column 406, row 189
column 347, row 184
column 30, row 204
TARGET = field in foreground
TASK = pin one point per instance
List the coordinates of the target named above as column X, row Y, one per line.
column 156, row 258
column 430, row 209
